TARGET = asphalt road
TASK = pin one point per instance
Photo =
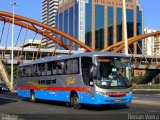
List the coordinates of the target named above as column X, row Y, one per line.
column 15, row 107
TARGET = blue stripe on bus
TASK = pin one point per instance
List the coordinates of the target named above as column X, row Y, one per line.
column 84, row 98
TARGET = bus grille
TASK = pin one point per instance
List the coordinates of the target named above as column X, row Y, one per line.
column 116, row 95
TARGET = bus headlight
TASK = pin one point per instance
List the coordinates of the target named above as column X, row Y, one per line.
column 129, row 93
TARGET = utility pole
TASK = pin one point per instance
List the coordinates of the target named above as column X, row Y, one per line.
column 13, row 6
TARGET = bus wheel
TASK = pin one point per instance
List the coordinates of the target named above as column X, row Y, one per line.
column 32, row 97
column 75, row 103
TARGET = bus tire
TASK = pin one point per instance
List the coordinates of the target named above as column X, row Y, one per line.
column 75, row 101
column 32, row 97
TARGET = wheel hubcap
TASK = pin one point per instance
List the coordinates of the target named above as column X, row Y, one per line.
column 33, row 97
column 76, row 101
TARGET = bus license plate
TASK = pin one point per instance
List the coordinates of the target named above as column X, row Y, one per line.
column 117, row 100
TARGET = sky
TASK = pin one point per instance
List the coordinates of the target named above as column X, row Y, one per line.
column 32, row 9
column 151, row 13
column 27, row 8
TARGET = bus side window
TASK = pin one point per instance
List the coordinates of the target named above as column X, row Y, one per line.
column 22, row 71
column 59, row 66
column 39, row 70
column 29, row 71
column 25, row 71
column 72, row 66
column 34, row 70
column 49, row 68
column 20, row 74
column 44, row 68
column 54, row 68
column 86, row 63
column 63, row 67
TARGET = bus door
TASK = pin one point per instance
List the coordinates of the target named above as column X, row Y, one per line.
column 86, row 63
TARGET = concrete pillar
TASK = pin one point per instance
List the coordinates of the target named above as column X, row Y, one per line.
column 106, row 27
column 93, row 24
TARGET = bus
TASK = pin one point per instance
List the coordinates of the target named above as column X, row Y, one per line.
column 95, row 78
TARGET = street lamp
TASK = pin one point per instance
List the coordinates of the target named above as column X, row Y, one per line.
column 13, row 6
column 125, row 27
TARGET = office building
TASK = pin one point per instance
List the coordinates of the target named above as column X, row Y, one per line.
column 151, row 44
column 49, row 9
column 98, row 23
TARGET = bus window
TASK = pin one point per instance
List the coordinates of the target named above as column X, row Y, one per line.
column 25, row 70
column 54, row 70
column 34, row 73
column 59, row 66
column 86, row 64
column 29, row 71
column 64, row 67
column 49, row 68
column 44, row 68
column 72, row 66
column 20, row 73
column 39, row 69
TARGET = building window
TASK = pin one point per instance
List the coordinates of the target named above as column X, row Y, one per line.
column 70, row 23
column 110, row 25
column 88, row 21
column 65, row 25
column 99, row 26
column 139, row 27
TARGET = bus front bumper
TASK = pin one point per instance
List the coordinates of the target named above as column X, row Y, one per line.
column 98, row 99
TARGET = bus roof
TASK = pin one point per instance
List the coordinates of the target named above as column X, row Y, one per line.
column 61, row 57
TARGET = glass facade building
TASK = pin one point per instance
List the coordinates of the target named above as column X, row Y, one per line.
column 98, row 23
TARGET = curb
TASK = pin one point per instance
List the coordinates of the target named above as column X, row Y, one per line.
column 146, row 90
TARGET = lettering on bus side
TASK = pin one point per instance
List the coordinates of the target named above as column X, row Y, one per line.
column 47, row 81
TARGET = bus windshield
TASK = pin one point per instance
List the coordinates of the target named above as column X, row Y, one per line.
column 114, row 72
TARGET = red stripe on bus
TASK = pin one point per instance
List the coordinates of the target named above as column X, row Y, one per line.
column 55, row 89
column 116, row 95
